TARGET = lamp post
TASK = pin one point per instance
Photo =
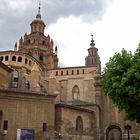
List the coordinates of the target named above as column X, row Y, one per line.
column 128, row 128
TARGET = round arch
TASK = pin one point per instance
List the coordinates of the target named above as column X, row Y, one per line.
column 113, row 132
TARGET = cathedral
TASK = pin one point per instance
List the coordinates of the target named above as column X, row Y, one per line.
column 51, row 102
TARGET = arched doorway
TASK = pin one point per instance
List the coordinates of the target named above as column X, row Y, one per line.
column 113, row 132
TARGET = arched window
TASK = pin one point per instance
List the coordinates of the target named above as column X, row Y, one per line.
column 83, row 71
column 41, row 57
column 26, row 61
column 1, row 58
column 72, row 72
column 67, row 72
column 30, row 62
column 29, row 41
column 6, row 58
column 75, row 93
column 77, row 71
column 79, row 124
column 14, row 58
column 56, row 73
column 19, row 59
column 61, row 72
column 15, row 79
column 43, row 43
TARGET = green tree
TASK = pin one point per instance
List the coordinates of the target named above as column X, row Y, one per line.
column 121, row 82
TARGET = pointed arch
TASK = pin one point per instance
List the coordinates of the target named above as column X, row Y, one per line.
column 79, row 124
column 75, row 93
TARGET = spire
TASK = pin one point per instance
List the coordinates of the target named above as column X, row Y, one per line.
column 15, row 48
column 39, row 14
column 92, row 41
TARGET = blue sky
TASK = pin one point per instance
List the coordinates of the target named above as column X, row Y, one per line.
column 114, row 24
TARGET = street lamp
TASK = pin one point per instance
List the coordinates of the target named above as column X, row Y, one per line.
column 128, row 127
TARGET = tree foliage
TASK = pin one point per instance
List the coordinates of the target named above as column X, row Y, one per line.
column 121, row 82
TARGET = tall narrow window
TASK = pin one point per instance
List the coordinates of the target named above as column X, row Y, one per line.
column 67, row 72
column 75, row 93
column 30, row 62
column 26, row 61
column 6, row 58
column 77, row 71
column 15, row 79
column 1, row 58
column 79, row 124
column 72, row 72
column 61, row 72
column 83, row 71
column 41, row 57
column 29, row 41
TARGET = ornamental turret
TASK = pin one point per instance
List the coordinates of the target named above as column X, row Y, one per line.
column 37, row 25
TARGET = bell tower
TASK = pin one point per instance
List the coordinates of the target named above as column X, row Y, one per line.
column 93, row 58
column 37, row 45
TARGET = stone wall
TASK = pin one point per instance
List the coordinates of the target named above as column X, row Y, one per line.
column 27, row 111
column 66, row 123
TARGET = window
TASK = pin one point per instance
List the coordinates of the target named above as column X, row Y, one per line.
column 6, row 58
column 30, row 62
column 14, row 58
column 77, row 71
column 56, row 73
column 29, row 41
column 79, row 124
column 41, row 57
column 15, row 78
column 19, row 59
column 72, row 72
column 43, row 42
column 75, row 93
column 61, row 72
column 27, row 84
column 26, row 61
column 83, row 71
column 1, row 58
column 67, row 72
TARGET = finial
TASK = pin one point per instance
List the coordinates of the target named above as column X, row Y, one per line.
column 39, row 14
column 39, row 7
column 92, row 41
column 55, row 49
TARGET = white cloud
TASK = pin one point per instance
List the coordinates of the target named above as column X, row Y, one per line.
column 119, row 28
column 73, row 37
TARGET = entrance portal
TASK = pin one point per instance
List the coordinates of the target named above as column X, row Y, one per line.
column 113, row 132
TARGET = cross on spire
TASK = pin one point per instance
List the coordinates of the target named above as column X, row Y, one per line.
column 92, row 41
column 39, row 7
column 39, row 14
